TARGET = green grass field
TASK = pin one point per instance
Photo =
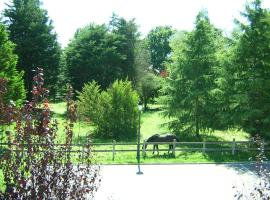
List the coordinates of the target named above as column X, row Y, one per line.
column 153, row 122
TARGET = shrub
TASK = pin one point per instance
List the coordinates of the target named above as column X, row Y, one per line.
column 114, row 111
column 33, row 165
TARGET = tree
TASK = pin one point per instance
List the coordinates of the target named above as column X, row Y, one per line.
column 147, row 83
column 93, row 55
column 114, row 111
column 158, row 42
column 36, row 43
column 8, row 71
column 252, row 71
column 102, row 53
column 191, row 83
column 127, row 34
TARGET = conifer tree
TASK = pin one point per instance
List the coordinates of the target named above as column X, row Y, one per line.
column 252, row 72
column 191, row 85
column 36, row 43
column 8, row 71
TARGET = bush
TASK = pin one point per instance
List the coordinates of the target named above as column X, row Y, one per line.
column 33, row 165
column 114, row 111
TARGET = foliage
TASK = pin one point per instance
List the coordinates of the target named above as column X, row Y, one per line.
column 147, row 83
column 127, row 34
column 191, row 85
column 103, row 54
column 62, row 79
column 114, row 112
column 91, row 55
column 251, row 103
column 33, row 165
column 36, row 43
column 158, row 43
column 8, row 71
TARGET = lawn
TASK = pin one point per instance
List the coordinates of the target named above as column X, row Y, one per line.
column 152, row 122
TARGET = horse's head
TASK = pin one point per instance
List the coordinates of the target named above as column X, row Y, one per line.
column 144, row 146
column 177, row 139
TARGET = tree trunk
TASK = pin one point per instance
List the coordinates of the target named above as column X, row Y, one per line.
column 145, row 104
column 197, row 128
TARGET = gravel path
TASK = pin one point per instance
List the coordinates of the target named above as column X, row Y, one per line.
column 184, row 181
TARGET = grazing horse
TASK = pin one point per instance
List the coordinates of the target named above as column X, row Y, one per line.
column 162, row 138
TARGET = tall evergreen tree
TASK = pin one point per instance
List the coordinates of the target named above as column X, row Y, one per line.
column 252, row 71
column 36, row 43
column 8, row 71
column 191, row 85
column 127, row 34
column 158, row 44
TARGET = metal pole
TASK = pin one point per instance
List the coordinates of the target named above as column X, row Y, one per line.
column 138, row 145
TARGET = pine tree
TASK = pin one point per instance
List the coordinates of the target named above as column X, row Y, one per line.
column 191, row 85
column 36, row 43
column 252, row 71
column 8, row 71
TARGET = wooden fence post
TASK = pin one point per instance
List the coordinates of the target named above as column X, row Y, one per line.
column 144, row 152
column 233, row 146
column 174, row 141
column 113, row 150
column 204, row 146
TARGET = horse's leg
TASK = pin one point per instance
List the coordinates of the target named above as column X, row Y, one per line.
column 153, row 149
column 157, row 150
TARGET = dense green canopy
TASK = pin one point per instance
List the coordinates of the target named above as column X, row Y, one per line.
column 36, row 42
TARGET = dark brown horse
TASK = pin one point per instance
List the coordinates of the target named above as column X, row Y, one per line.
column 162, row 138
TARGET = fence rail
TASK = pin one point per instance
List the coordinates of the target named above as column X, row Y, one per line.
column 203, row 147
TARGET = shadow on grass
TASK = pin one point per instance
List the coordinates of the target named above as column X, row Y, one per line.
column 226, row 156
column 192, row 138
column 161, row 156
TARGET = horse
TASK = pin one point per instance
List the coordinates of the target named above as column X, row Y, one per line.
column 162, row 138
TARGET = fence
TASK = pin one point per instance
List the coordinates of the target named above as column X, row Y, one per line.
column 231, row 146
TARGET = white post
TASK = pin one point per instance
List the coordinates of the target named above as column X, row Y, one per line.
column 113, row 150
column 144, row 152
column 204, row 146
column 174, row 141
column 233, row 146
